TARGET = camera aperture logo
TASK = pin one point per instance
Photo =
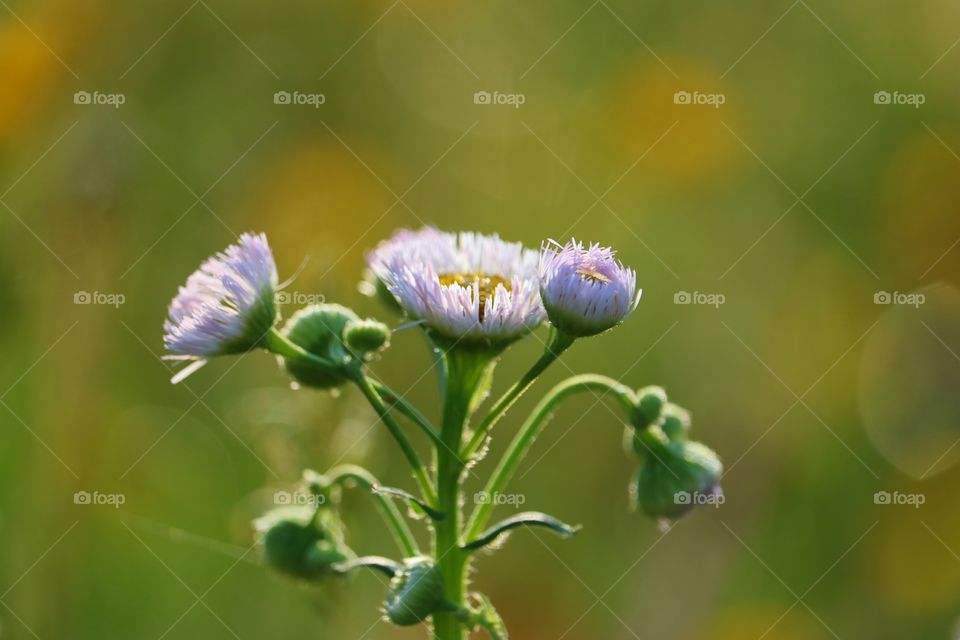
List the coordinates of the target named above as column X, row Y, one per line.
column 896, row 297
column 712, row 498
column 699, row 298
column 514, row 100
column 96, row 98
column 515, row 500
column 299, row 98
column 897, row 98
column 896, row 498
column 714, row 100
column 99, row 298
column 300, row 298
column 297, row 499
column 96, row 498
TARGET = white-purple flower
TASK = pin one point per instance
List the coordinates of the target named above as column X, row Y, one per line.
column 585, row 289
column 462, row 285
column 227, row 305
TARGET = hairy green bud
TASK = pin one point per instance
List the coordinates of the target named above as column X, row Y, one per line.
column 366, row 336
column 296, row 545
column 318, row 329
column 650, row 402
column 675, row 477
column 416, row 593
column 675, row 422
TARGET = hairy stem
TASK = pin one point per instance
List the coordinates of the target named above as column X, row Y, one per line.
column 419, row 470
column 558, row 343
column 465, row 370
column 532, row 428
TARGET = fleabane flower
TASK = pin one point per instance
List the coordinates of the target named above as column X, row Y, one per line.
column 585, row 289
column 227, row 305
column 462, row 285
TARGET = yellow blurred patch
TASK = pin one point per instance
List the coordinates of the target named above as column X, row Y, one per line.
column 317, row 199
column 913, row 570
column 767, row 621
column 648, row 100
column 28, row 73
column 921, row 209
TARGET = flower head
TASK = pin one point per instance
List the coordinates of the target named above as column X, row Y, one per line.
column 462, row 285
column 584, row 288
column 227, row 305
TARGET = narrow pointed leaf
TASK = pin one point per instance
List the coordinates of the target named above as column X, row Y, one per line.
column 377, row 563
column 525, row 519
column 418, row 504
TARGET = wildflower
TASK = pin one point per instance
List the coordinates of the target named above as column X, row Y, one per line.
column 585, row 290
column 462, row 285
column 227, row 305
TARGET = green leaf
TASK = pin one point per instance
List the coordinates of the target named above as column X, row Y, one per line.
column 488, row 618
column 419, row 505
column 377, row 563
column 525, row 519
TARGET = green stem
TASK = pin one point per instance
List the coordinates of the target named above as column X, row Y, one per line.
column 279, row 344
column 407, row 409
column 419, row 470
column 364, row 479
column 558, row 343
column 532, row 428
column 465, row 371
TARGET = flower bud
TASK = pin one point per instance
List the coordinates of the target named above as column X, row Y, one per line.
column 675, row 422
column 366, row 336
column 296, row 545
column 416, row 593
column 318, row 329
column 650, row 402
column 675, row 477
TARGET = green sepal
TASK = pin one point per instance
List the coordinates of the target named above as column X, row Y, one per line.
column 525, row 519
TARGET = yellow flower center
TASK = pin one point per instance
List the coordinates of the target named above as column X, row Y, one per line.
column 593, row 275
column 486, row 285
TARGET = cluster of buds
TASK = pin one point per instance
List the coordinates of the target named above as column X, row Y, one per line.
column 676, row 474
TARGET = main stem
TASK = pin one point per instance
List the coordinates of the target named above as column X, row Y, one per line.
column 465, row 369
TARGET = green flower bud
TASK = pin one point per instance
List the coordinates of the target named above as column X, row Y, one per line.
column 366, row 336
column 296, row 545
column 675, row 422
column 416, row 593
column 650, row 402
column 319, row 330
column 675, row 477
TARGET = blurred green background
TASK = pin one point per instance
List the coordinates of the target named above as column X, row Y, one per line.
column 804, row 200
